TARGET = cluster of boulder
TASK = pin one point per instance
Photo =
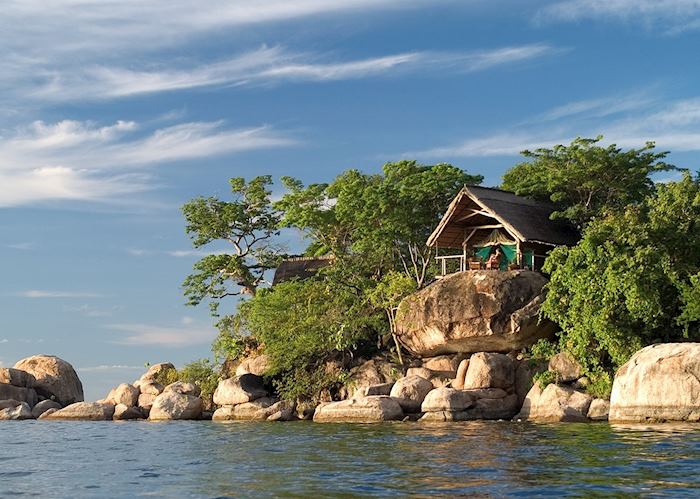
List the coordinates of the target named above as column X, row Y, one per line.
column 245, row 398
column 38, row 386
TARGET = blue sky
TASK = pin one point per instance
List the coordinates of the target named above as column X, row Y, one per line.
column 115, row 113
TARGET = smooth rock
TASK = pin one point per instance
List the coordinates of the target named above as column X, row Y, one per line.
column 258, row 410
column 48, row 413
column 599, row 410
column 423, row 372
column 55, row 377
column 659, row 383
column 22, row 411
column 359, row 410
column 446, row 399
column 257, row 365
column 86, row 411
column 21, row 394
column 171, row 405
column 16, row 377
column 44, row 406
column 239, row 390
column 146, row 400
column 555, row 404
column 461, row 374
column 123, row 412
column 474, row 311
column 524, row 372
column 183, row 388
column 151, row 388
column 566, row 367
column 124, row 394
column 9, row 404
column 490, row 370
column 410, row 392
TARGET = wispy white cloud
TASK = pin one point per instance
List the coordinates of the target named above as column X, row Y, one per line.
column 674, row 15
column 674, row 126
column 81, row 160
column 36, row 293
column 169, row 336
column 106, row 368
column 90, row 311
column 4, row 340
column 21, row 246
column 267, row 65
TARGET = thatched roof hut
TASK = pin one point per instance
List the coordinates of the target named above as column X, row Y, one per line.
column 300, row 267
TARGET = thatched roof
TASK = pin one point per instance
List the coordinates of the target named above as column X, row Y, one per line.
column 301, row 267
column 523, row 218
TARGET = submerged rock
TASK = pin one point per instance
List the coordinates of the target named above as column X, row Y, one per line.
column 359, row 410
column 659, row 383
column 474, row 311
column 54, row 377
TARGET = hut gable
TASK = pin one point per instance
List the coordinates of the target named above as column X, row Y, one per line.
column 300, row 267
column 524, row 219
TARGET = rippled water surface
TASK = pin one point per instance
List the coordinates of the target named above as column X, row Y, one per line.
column 205, row 459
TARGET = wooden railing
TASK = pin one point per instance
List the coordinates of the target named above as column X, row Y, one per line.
column 460, row 259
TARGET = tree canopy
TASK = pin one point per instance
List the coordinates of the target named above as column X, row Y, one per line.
column 247, row 224
column 632, row 280
column 586, row 180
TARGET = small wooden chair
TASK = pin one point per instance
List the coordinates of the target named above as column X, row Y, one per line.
column 474, row 264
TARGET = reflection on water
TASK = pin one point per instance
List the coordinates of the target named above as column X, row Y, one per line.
column 204, row 459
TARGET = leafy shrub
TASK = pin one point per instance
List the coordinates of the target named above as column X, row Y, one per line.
column 201, row 373
column 304, row 325
column 543, row 350
column 545, row 378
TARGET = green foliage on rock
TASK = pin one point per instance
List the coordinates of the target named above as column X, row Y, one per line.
column 586, row 180
column 203, row 374
column 631, row 280
column 305, row 326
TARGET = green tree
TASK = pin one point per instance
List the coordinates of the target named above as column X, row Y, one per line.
column 376, row 223
column 631, row 280
column 585, row 179
column 247, row 224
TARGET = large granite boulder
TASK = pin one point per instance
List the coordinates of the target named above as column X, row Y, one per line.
column 555, row 404
column 659, row 383
column 19, row 393
column 171, row 405
column 239, row 390
column 123, row 412
column 410, row 392
column 446, row 399
column 490, row 370
column 55, row 378
column 85, row 411
column 19, row 412
column 16, row 377
column 359, row 410
column 474, row 311
column 124, row 394
column 183, row 388
column 257, row 365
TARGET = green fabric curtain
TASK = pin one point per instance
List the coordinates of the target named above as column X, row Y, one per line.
column 510, row 251
column 529, row 258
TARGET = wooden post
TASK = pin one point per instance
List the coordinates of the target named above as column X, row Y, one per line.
column 519, row 254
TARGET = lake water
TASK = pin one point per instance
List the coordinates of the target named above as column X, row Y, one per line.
column 205, row 459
